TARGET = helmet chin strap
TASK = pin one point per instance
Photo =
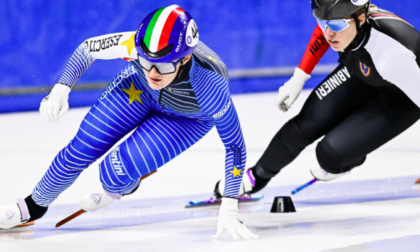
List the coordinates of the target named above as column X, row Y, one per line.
column 356, row 19
column 358, row 29
column 183, row 69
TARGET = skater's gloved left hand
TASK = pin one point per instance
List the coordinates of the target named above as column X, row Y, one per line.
column 229, row 220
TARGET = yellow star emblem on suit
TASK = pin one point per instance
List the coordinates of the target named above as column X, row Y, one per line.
column 129, row 43
column 236, row 172
column 134, row 94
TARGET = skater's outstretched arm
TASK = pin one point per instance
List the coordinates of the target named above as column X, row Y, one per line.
column 110, row 46
column 214, row 99
column 105, row 47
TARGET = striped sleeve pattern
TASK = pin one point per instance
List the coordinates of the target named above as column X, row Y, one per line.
column 79, row 62
column 214, row 99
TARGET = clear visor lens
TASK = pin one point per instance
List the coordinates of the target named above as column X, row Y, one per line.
column 162, row 68
column 337, row 25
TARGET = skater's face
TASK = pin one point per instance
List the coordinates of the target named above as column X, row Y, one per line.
column 158, row 81
column 341, row 40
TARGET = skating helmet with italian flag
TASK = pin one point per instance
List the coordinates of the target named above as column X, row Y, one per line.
column 336, row 9
column 166, row 34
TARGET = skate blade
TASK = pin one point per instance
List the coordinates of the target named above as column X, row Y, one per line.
column 71, row 217
column 27, row 224
column 81, row 211
column 208, row 202
column 250, row 197
column 215, row 201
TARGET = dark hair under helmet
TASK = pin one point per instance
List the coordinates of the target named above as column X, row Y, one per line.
column 336, row 9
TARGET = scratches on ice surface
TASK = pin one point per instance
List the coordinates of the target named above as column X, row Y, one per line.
column 317, row 228
column 375, row 208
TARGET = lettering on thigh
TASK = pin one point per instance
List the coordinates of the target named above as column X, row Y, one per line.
column 333, row 82
column 116, row 162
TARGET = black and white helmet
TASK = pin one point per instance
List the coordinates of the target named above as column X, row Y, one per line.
column 336, row 9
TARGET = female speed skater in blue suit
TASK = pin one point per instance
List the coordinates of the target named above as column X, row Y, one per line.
column 172, row 92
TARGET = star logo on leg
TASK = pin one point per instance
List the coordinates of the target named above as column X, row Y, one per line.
column 129, row 43
column 134, row 94
column 236, row 172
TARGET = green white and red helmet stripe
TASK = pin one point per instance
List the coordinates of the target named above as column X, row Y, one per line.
column 166, row 34
column 160, row 27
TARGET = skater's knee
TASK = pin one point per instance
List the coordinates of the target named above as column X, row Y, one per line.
column 333, row 161
column 328, row 158
column 72, row 159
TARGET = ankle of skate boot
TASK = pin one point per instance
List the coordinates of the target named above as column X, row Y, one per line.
column 260, row 182
column 23, row 210
column 251, row 177
column 216, row 191
column 134, row 190
column 260, row 174
column 115, row 196
column 35, row 211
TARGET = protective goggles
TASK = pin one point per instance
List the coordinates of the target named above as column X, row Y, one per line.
column 161, row 67
column 336, row 25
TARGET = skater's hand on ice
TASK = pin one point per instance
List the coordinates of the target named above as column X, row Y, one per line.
column 56, row 103
column 229, row 220
column 290, row 91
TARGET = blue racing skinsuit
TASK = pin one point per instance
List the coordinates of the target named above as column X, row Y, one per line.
column 166, row 121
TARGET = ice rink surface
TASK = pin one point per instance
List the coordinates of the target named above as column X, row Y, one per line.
column 374, row 208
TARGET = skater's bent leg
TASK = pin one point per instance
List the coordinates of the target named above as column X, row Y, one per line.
column 387, row 115
column 326, row 107
column 83, row 150
column 283, row 149
column 110, row 119
column 159, row 139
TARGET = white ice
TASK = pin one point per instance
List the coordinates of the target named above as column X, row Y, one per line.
column 28, row 145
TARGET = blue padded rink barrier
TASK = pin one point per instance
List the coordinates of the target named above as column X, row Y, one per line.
column 251, row 37
column 374, row 208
